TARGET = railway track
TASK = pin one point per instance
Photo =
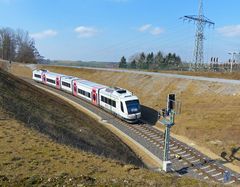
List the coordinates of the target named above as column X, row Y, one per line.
column 190, row 162
column 190, row 158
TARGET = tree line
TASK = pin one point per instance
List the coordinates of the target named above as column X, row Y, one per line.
column 151, row 61
column 17, row 45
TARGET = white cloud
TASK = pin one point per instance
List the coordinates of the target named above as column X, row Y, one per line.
column 156, row 31
column 44, row 34
column 150, row 29
column 144, row 27
column 85, row 32
column 230, row 31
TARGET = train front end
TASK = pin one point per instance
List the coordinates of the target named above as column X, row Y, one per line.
column 133, row 109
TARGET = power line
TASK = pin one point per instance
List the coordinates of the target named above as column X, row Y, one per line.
column 201, row 21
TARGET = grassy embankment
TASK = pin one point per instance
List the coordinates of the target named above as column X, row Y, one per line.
column 60, row 120
column 29, row 158
column 210, row 111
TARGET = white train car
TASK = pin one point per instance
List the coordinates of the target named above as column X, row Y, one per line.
column 52, row 79
column 109, row 100
column 67, row 83
column 121, row 102
column 88, row 90
column 38, row 75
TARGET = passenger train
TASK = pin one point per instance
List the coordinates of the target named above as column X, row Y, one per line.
column 118, row 101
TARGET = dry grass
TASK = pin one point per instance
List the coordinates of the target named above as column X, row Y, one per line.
column 60, row 120
column 209, row 115
column 210, row 111
column 28, row 158
column 223, row 75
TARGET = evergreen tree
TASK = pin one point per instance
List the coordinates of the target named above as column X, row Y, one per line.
column 159, row 59
column 178, row 61
column 133, row 64
column 123, row 63
column 149, row 61
column 141, row 61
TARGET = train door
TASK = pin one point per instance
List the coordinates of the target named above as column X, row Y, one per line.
column 94, row 96
column 58, row 82
column 75, row 88
column 44, row 78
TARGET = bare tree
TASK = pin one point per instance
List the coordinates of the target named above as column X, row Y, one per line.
column 18, row 46
column 26, row 50
column 7, row 44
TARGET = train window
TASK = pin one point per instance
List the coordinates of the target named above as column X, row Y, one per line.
column 122, row 107
column 51, row 81
column 37, row 76
column 82, row 92
column 133, row 106
column 66, row 84
column 108, row 101
column 114, row 104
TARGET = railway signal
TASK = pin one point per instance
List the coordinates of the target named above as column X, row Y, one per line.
column 166, row 117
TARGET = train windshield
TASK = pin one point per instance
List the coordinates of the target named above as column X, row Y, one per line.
column 133, row 106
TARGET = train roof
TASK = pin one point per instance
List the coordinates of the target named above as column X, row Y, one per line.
column 55, row 74
column 40, row 70
column 116, row 91
column 91, row 84
column 70, row 78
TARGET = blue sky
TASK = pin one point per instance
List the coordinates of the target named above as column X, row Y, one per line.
column 105, row 30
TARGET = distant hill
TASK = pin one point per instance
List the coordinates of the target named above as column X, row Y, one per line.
column 84, row 63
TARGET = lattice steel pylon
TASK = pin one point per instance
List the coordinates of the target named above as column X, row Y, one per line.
column 201, row 21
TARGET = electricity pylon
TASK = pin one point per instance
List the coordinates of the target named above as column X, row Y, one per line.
column 201, row 21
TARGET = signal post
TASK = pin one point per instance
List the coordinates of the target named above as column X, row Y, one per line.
column 166, row 117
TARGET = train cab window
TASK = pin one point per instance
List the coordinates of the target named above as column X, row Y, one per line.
column 122, row 107
column 133, row 106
